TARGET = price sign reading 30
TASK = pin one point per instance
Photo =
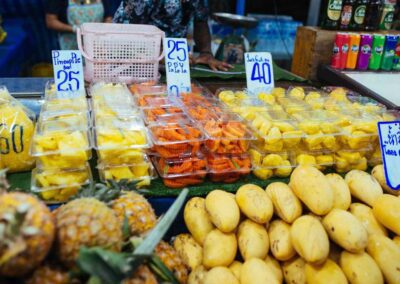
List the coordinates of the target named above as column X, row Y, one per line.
column 177, row 66
column 68, row 73
column 259, row 71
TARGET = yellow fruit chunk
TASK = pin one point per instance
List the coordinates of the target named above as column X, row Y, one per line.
column 325, row 159
column 263, row 174
column 297, row 93
column 140, row 170
column 312, row 96
column 284, row 126
column 309, row 127
column 276, row 147
column 272, row 160
column 351, row 157
column 278, row 92
column 330, row 142
column 284, row 170
column 274, row 136
column 256, row 157
column 304, row 159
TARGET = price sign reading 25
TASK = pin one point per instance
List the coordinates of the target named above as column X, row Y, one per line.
column 259, row 71
column 177, row 66
column 68, row 73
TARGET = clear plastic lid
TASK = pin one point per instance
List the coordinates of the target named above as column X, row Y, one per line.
column 79, row 104
column 318, row 122
column 176, row 133
column 319, row 159
column 56, row 185
column 155, row 101
column 161, row 115
column 54, row 137
column 104, row 105
column 199, row 98
column 121, row 156
column 72, row 119
column 148, row 89
column 182, row 167
column 231, row 96
column 269, row 164
column 293, row 105
column 201, row 112
column 120, row 134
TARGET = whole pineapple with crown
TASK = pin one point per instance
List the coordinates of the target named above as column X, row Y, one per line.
column 26, row 231
column 86, row 222
column 169, row 256
column 143, row 275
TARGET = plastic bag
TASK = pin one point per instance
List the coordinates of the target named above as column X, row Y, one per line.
column 16, row 131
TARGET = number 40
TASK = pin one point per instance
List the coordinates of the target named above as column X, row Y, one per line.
column 261, row 73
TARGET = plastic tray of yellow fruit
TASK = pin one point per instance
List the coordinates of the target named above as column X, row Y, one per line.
column 231, row 97
column 293, row 105
column 129, row 133
column 271, row 164
column 320, row 159
column 374, row 156
column 56, row 185
column 111, row 106
column 120, row 156
column 79, row 104
column 67, row 147
column 349, row 159
column 141, row 172
column 276, row 131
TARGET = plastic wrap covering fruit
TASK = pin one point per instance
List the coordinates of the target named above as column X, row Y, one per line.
column 55, row 185
column 228, row 168
column 176, row 139
column 227, row 135
column 155, row 101
column 276, row 131
column 141, row 172
column 71, row 118
column 321, row 130
column 147, row 89
column 201, row 112
column 267, row 164
column 320, row 159
column 56, row 145
column 16, row 130
column 163, row 114
column 198, row 99
column 120, row 141
column 178, row 173
column 349, row 159
column 112, row 100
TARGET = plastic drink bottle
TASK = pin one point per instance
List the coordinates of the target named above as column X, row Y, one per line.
column 377, row 52
column 365, row 52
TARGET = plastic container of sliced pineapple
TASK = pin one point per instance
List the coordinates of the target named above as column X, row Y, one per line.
column 321, row 128
column 271, row 164
column 350, row 159
column 227, row 134
column 293, row 105
column 319, row 159
column 175, row 140
column 57, row 144
column 71, row 118
column 228, row 168
column 361, row 131
column 111, row 135
column 232, row 97
column 141, row 172
column 57, row 185
column 181, row 172
column 276, row 131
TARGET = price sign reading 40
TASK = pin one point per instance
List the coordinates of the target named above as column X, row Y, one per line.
column 259, row 71
column 177, row 66
column 68, row 73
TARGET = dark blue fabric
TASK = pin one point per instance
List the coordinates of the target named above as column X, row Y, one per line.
column 31, row 13
column 13, row 51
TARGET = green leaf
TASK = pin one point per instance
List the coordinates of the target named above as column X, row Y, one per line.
column 156, row 235
column 126, row 231
column 94, row 280
column 162, row 271
column 109, row 267
column 236, row 165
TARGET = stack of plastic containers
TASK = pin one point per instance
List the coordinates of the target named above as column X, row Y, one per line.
column 120, row 136
column 176, row 139
column 61, row 146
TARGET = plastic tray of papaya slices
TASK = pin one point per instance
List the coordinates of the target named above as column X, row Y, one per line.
column 181, row 172
column 175, row 140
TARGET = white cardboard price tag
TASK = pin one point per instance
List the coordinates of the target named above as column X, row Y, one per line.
column 259, row 71
column 389, row 137
column 177, row 66
column 68, row 73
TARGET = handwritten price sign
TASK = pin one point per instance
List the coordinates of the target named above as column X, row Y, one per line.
column 259, row 71
column 68, row 73
column 177, row 66
column 389, row 136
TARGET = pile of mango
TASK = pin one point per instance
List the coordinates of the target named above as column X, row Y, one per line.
column 316, row 229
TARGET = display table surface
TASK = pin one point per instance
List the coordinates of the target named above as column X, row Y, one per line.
column 381, row 86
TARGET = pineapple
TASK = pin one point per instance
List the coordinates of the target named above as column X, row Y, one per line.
column 27, row 232
column 142, row 275
column 86, row 222
column 48, row 274
column 138, row 211
column 171, row 259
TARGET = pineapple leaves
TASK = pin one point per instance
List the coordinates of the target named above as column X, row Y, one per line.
column 156, row 235
column 111, row 267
